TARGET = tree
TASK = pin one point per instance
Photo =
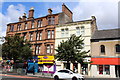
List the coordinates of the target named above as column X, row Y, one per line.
column 16, row 48
column 71, row 50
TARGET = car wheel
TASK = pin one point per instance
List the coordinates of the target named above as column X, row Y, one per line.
column 56, row 78
column 74, row 78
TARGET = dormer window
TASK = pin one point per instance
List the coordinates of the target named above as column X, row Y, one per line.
column 51, row 20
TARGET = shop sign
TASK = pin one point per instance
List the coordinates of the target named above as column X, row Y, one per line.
column 45, row 59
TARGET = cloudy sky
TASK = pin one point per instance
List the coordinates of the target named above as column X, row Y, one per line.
column 106, row 12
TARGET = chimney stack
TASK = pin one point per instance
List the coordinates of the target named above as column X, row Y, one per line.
column 31, row 13
column 93, row 18
column 20, row 19
column 24, row 17
column 50, row 11
column 67, row 11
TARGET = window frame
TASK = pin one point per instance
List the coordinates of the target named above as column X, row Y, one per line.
column 117, row 48
column 102, row 49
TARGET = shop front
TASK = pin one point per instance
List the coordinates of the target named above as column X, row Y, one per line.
column 105, row 67
column 46, row 64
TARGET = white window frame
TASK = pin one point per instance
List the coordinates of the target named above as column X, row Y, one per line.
column 48, row 34
column 53, row 34
column 48, row 48
column 82, row 30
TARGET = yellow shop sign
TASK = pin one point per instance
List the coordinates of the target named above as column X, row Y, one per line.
column 45, row 59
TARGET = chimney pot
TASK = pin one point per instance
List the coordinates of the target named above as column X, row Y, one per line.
column 50, row 11
column 20, row 19
column 31, row 13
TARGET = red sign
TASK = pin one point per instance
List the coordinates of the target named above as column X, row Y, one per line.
column 106, row 61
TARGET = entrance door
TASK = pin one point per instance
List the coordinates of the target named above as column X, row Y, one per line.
column 117, row 70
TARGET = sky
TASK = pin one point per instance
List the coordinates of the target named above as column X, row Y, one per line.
column 106, row 12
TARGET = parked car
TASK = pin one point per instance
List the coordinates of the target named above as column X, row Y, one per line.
column 67, row 74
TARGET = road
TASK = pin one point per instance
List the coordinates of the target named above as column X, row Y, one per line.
column 18, row 77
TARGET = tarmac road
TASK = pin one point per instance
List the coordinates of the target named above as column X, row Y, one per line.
column 18, row 77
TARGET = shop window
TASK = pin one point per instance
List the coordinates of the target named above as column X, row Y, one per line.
column 104, row 69
column 100, row 69
column 39, row 23
column 102, row 47
column 117, row 48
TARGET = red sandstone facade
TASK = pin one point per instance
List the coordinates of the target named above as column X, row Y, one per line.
column 40, row 31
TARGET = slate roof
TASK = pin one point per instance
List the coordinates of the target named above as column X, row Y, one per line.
column 106, row 34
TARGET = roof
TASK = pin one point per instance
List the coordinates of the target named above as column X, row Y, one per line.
column 36, row 18
column 106, row 34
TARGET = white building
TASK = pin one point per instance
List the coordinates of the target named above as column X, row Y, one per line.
column 85, row 28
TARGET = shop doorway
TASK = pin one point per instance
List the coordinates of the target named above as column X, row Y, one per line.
column 117, row 70
column 67, row 65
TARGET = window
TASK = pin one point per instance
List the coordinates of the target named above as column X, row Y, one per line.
column 63, row 71
column 48, row 34
column 102, row 47
column 11, row 27
column 26, row 25
column 66, row 32
column 82, row 30
column 48, row 48
column 38, row 48
column 62, row 32
column 104, row 69
column 39, row 35
column 51, row 20
column 77, row 31
column 19, row 27
column 32, row 24
column 39, row 23
column 31, row 36
column 117, row 48
column 52, row 49
column 52, row 34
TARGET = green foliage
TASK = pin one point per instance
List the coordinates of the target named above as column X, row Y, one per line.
column 16, row 48
column 71, row 50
